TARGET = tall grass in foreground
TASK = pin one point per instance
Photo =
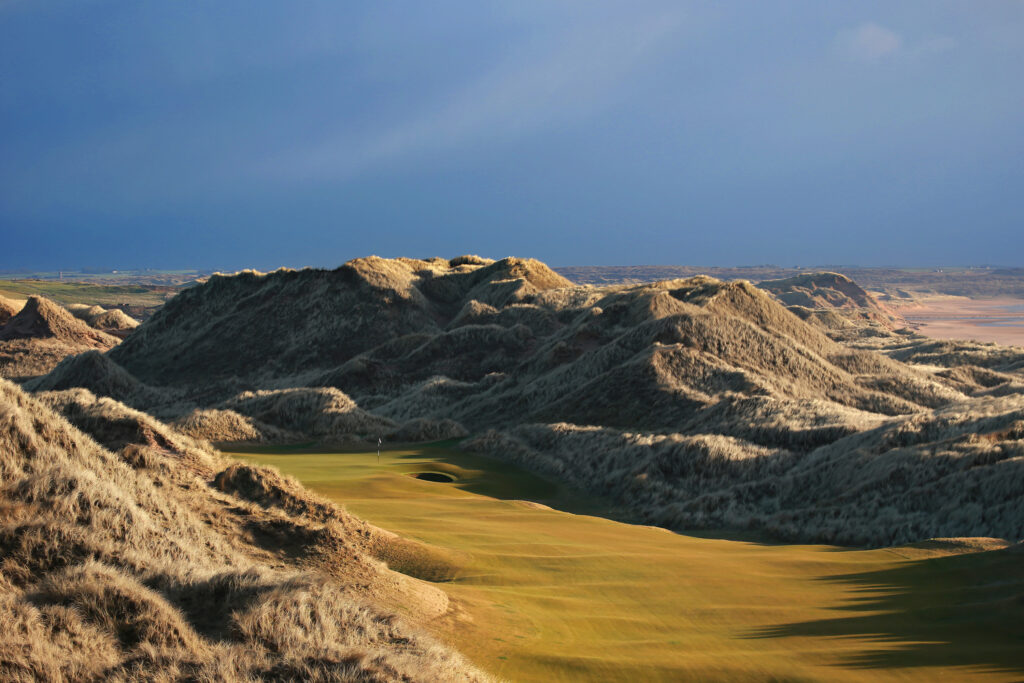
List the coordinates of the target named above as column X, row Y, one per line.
column 131, row 552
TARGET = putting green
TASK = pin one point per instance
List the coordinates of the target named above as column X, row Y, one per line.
column 545, row 595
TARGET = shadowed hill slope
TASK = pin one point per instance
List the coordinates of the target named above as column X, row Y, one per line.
column 404, row 348
column 97, row 373
column 510, row 334
column 131, row 552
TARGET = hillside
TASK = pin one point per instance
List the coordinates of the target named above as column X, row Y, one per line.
column 131, row 552
column 8, row 309
column 696, row 402
column 42, row 334
column 831, row 300
column 43, row 319
column 114, row 321
column 297, row 321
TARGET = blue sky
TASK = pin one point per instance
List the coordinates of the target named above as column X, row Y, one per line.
column 254, row 134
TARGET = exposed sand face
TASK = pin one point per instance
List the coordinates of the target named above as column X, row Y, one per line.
column 957, row 317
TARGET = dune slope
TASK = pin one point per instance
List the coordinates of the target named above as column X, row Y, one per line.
column 132, row 552
column 698, row 402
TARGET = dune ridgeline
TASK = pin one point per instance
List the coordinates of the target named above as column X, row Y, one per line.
column 692, row 403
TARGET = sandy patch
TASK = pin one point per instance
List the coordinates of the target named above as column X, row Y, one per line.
column 957, row 317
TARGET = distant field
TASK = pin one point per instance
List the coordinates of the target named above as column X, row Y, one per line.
column 171, row 278
column 139, row 297
column 543, row 595
column 982, row 282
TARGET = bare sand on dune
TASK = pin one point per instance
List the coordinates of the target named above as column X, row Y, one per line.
column 957, row 317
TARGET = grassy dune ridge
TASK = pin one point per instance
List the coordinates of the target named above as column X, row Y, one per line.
column 696, row 402
column 957, row 472
column 41, row 334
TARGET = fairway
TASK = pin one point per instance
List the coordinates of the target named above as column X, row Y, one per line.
column 540, row 594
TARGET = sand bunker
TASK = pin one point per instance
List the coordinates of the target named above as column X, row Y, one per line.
column 434, row 476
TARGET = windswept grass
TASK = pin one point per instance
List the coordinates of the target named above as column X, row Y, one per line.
column 130, row 552
column 697, row 402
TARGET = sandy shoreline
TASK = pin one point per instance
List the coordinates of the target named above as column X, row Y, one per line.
column 955, row 317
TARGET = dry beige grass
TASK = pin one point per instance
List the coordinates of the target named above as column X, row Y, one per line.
column 229, row 426
column 312, row 318
column 24, row 359
column 96, row 372
column 43, row 319
column 41, row 335
column 957, row 472
column 123, row 561
column 325, row 413
column 824, row 298
column 8, row 309
column 409, row 349
column 114, row 321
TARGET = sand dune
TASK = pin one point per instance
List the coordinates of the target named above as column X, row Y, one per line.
column 41, row 335
column 8, row 309
column 696, row 402
column 43, row 319
column 122, row 562
column 113, row 321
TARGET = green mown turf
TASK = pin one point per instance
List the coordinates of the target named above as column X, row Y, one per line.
column 544, row 595
column 83, row 293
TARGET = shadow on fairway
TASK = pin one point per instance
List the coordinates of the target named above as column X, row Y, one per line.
column 955, row 611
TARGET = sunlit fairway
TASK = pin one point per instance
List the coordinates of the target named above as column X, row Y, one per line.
column 548, row 595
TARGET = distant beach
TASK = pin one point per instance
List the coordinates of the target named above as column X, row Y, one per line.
column 955, row 317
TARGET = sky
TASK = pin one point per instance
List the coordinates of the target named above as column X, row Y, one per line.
column 244, row 133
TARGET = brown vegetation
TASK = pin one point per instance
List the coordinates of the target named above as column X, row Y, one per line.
column 113, row 321
column 820, row 298
column 957, row 472
column 228, row 426
column 41, row 335
column 42, row 319
column 8, row 309
column 132, row 552
column 590, row 383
